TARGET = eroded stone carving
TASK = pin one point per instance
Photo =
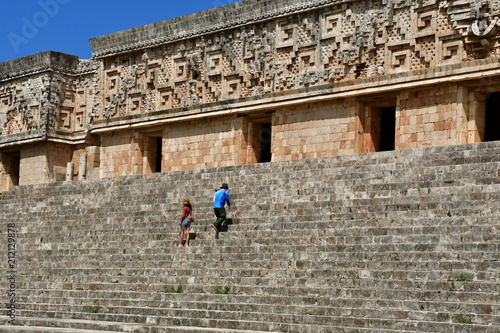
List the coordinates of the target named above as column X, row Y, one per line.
column 287, row 49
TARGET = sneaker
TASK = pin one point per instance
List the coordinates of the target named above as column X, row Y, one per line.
column 186, row 245
column 180, row 245
column 215, row 228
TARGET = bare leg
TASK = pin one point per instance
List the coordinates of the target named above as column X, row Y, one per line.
column 187, row 236
column 182, row 235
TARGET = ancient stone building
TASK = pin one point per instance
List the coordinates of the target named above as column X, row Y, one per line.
column 334, row 236
column 255, row 81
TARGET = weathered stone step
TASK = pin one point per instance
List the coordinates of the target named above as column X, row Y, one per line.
column 478, row 272
column 473, row 240
column 320, row 323
column 41, row 329
column 487, row 254
column 95, row 258
column 444, row 288
column 268, row 271
column 49, row 325
column 358, row 236
column 391, row 196
column 322, row 307
column 476, row 261
column 247, row 191
column 462, row 232
column 400, row 289
column 282, row 223
column 391, row 201
column 213, row 319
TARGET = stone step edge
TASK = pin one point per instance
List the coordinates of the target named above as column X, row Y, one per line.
column 251, row 227
column 43, row 329
column 476, row 325
column 471, row 284
column 127, row 326
column 215, row 311
column 375, row 274
column 258, row 314
column 177, row 328
column 236, row 300
column 38, row 293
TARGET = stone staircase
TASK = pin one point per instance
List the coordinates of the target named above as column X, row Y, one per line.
column 401, row 241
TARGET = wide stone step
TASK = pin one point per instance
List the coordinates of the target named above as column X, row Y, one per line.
column 189, row 318
column 309, row 256
column 476, row 240
column 274, row 273
column 318, row 307
column 372, row 243
column 478, row 273
column 452, row 291
column 259, row 231
column 417, row 223
column 447, row 264
column 49, row 325
column 225, row 320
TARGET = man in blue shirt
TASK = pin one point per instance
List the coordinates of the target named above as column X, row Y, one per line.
column 220, row 199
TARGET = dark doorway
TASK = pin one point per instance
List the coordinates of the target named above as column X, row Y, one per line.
column 12, row 163
column 387, row 129
column 265, row 140
column 159, row 154
column 492, row 117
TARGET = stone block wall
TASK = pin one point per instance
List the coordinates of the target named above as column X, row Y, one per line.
column 474, row 117
column 204, row 144
column 315, row 130
column 43, row 162
column 429, row 117
column 121, row 154
column 58, row 155
column 320, row 71
column 34, row 168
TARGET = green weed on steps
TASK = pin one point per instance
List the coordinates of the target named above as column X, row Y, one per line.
column 92, row 309
column 462, row 319
column 221, row 291
column 173, row 289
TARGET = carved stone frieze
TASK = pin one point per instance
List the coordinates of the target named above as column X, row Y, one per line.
column 291, row 45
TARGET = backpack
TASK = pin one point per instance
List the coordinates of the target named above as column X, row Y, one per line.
column 190, row 216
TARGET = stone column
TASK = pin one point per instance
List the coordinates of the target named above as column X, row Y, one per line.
column 82, row 167
column 69, row 171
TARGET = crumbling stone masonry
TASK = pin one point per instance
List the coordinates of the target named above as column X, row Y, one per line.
column 255, row 81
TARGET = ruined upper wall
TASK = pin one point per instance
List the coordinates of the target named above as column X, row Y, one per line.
column 44, row 95
column 247, row 55
column 36, row 63
column 201, row 23
column 475, row 17
column 254, row 50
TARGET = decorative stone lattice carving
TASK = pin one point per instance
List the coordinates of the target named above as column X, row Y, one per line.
column 300, row 45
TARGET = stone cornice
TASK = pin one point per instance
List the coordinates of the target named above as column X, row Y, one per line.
column 474, row 71
column 38, row 63
column 194, row 25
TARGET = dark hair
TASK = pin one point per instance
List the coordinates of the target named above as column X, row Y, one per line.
column 189, row 206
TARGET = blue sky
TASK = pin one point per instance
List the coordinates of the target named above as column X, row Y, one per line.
column 33, row 26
